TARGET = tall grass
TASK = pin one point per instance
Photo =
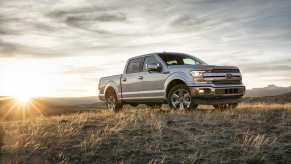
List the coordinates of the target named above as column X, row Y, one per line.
column 253, row 132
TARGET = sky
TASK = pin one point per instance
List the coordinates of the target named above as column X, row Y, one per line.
column 62, row 47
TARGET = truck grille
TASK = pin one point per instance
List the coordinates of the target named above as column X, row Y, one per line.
column 226, row 81
column 225, row 71
column 223, row 77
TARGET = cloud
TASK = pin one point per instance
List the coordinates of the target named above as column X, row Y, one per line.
column 85, row 22
column 116, row 25
column 273, row 66
column 254, row 35
column 6, row 48
column 85, row 17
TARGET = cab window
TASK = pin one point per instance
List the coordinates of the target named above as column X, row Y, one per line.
column 134, row 66
column 149, row 60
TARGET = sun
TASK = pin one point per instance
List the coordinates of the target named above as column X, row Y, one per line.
column 23, row 99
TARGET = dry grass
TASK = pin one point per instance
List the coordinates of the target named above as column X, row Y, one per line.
column 253, row 133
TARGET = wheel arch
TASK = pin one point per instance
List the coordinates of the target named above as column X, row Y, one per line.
column 173, row 83
column 111, row 86
column 113, row 105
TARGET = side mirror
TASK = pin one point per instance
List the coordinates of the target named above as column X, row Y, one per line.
column 154, row 67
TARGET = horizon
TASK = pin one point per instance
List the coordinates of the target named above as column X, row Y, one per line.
column 61, row 48
column 96, row 96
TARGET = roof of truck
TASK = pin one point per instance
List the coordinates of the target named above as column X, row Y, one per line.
column 157, row 53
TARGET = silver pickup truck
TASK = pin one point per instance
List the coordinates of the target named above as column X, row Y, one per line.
column 181, row 80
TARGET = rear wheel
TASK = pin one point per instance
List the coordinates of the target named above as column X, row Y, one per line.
column 179, row 98
column 111, row 101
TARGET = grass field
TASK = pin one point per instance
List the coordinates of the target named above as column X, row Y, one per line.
column 253, row 133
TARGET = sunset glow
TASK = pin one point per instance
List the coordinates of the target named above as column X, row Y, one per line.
column 23, row 99
column 23, row 80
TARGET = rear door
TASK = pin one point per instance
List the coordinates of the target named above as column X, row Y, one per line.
column 132, row 78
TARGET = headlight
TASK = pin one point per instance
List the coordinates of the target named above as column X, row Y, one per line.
column 198, row 76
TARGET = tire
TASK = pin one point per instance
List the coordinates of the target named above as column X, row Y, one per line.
column 225, row 106
column 111, row 101
column 179, row 98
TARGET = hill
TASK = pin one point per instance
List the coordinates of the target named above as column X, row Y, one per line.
column 70, row 100
column 281, row 99
column 271, row 90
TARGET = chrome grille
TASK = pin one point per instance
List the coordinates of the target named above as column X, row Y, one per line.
column 225, row 71
column 223, row 76
column 226, row 82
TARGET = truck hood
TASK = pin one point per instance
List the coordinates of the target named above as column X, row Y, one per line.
column 202, row 67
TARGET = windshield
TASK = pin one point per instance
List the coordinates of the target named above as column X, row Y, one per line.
column 180, row 59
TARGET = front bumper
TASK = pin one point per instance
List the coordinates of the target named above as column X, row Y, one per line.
column 217, row 95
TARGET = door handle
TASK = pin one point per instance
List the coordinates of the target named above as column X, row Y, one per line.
column 167, row 72
column 140, row 77
column 124, row 79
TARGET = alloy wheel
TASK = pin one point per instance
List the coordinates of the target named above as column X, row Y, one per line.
column 111, row 103
column 181, row 99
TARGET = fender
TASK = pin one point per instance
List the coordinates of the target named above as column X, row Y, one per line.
column 174, row 76
column 116, row 88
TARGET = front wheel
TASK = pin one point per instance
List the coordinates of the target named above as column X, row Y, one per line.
column 179, row 98
column 111, row 102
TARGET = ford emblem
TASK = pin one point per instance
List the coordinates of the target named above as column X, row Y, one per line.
column 228, row 76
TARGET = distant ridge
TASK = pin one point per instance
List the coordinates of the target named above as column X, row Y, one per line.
column 270, row 90
column 287, row 95
column 281, row 99
column 70, row 100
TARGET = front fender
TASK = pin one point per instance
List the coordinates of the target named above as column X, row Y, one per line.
column 182, row 76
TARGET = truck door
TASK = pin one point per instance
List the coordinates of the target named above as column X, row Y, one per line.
column 131, row 81
column 153, row 82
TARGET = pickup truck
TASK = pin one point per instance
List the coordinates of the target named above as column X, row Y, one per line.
column 180, row 80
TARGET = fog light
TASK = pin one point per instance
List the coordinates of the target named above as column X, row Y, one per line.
column 212, row 91
column 201, row 91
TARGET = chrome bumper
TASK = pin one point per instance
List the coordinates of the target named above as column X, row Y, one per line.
column 217, row 91
column 217, row 95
